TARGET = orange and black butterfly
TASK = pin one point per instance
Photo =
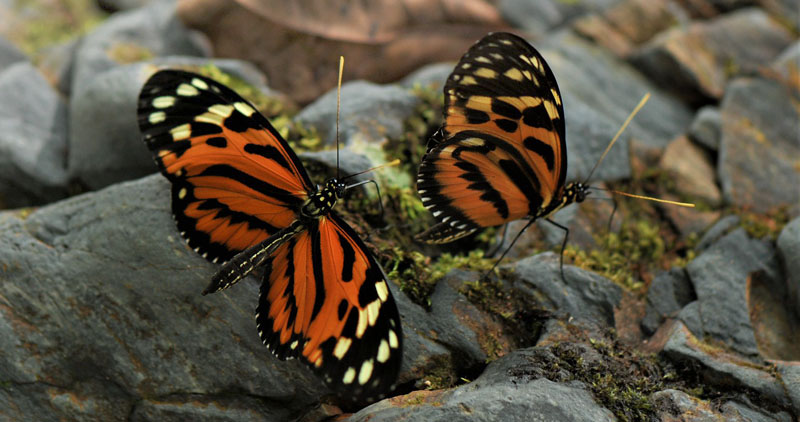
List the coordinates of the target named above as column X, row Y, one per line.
column 501, row 153
column 240, row 196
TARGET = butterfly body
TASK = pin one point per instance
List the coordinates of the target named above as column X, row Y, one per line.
column 501, row 153
column 240, row 196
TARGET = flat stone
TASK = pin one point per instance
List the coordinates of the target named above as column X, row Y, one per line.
column 669, row 292
column 789, row 251
column 627, row 24
column 538, row 18
column 370, row 113
column 582, row 295
column 721, row 369
column 138, row 34
column 706, row 128
column 691, row 170
column 790, row 375
column 676, row 405
column 10, row 54
column 759, row 145
column 720, row 276
column 697, row 61
column 717, row 231
column 594, row 115
column 33, row 142
column 461, row 326
column 788, row 65
column 504, row 391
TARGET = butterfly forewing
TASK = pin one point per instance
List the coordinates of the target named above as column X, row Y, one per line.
column 327, row 301
column 502, row 155
column 235, row 181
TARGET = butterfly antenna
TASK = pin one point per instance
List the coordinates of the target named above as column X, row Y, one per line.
column 338, row 107
column 389, row 164
column 619, row 132
column 647, row 198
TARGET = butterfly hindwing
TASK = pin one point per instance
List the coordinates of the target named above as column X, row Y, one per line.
column 503, row 155
column 235, row 181
column 325, row 300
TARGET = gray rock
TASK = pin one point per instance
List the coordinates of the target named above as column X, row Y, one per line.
column 33, row 141
column 154, row 29
column 432, row 76
column 692, row 172
column 669, row 292
column 583, row 295
column 105, row 144
column 705, row 128
column 594, row 115
column 720, row 276
column 719, row 229
column 678, row 405
column 460, row 325
column 789, row 253
column 697, row 61
column 369, row 113
column 790, row 375
column 736, row 411
column 788, row 63
column 539, row 17
column 759, row 145
column 212, row 409
column 57, row 63
column 718, row 368
column 10, row 54
column 120, row 5
column 500, row 393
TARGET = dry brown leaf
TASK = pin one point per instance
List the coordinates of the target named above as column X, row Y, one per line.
column 298, row 45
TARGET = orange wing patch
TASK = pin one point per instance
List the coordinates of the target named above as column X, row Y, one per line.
column 326, row 300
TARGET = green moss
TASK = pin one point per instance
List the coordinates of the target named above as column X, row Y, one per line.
column 442, row 375
column 767, row 225
column 638, row 245
column 277, row 110
column 40, row 24
column 426, row 117
column 417, row 274
column 128, row 52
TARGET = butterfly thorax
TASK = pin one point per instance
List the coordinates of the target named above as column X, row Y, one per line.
column 322, row 201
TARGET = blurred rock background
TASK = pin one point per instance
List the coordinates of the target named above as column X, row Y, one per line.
column 665, row 313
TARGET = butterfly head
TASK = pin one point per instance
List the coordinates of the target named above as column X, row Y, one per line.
column 575, row 192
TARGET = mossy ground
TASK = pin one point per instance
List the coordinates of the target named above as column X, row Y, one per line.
column 39, row 24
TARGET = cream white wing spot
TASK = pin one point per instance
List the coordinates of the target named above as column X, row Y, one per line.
column 349, row 376
column 181, row 132
column 383, row 290
column 200, row 83
column 163, row 102
column 186, row 90
column 342, row 346
column 383, row 352
column 244, row 108
column 366, row 372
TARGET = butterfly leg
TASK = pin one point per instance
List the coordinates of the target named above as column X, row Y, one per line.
column 486, row 275
column 500, row 243
column 377, row 188
column 563, row 245
column 246, row 261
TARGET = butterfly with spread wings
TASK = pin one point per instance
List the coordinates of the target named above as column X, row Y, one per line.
column 240, row 196
column 501, row 153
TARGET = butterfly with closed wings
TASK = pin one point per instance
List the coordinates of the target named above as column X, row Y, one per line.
column 240, row 196
column 501, row 153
